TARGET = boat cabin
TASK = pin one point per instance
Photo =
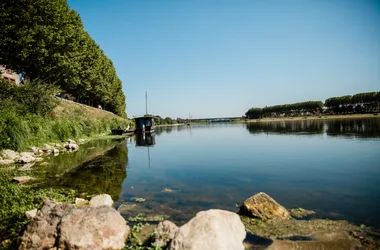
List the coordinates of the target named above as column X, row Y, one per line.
column 144, row 124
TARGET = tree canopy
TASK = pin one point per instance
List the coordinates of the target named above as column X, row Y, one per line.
column 45, row 39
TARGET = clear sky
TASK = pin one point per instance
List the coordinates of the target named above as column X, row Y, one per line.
column 217, row 58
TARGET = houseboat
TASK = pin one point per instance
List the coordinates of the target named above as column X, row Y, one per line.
column 144, row 124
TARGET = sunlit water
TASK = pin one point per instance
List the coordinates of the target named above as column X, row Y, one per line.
column 331, row 167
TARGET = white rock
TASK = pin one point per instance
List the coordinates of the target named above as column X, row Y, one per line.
column 57, row 145
column 69, row 141
column 56, row 151
column 26, row 157
column 79, row 202
column 6, row 162
column 23, row 179
column 101, row 200
column 82, row 140
column 210, row 230
column 31, row 213
column 8, row 154
column 26, row 167
column 38, row 159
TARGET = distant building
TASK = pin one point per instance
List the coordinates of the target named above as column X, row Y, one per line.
column 9, row 75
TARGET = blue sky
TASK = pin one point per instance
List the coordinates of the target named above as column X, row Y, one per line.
column 217, row 58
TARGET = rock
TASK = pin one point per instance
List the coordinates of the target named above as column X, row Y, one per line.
column 164, row 233
column 36, row 151
column 101, row 200
column 82, row 140
column 79, row 202
column 26, row 167
column 71, row 146
column 126, row 206
column 69, row 141
column 44, row 163
column 1, row 158
column 63, row 226
column 47, row 148
column 8, row 154
column 38, row 159
column 300, row 213
column 167, row 190
column 56, row 151
column 57, row 145
column 264, row 207
column 210, row 230
column 23, row 179
column 26, row 157
column 31, row 213
column 6, row 162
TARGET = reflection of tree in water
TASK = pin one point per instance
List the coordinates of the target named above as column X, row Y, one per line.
column 364, row 128
column 101, row 175
column 287, row 127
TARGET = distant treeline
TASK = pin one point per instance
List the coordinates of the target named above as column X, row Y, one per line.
column 45, row 40
column 158, row 120
column 359, row 103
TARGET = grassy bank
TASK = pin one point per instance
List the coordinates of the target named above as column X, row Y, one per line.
column 30, row 116
column 298, row 118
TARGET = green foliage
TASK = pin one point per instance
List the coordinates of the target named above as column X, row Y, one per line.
column 158, row 120
column 254, row 113
column 16, row 200
column 134, row 242
column 45, row 39
column 28, row 117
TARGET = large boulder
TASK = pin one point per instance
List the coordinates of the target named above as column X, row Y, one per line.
column 164, row 233
column 93, row 228
column 63, row 226
column 8, row 154
column 263, row 207
column 101, row 200
column 210, row 230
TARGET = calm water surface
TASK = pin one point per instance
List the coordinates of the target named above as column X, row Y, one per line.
column 331, row 166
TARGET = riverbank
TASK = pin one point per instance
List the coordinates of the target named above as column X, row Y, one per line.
column 31, row 117
column 298, row 118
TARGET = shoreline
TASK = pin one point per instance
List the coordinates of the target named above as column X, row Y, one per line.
column 301, row 118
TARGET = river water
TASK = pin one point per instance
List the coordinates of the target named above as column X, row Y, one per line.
column 329, row 166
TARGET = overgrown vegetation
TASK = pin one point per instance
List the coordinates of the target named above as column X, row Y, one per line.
column 134, row 242
column 45, row 39
column 16, row 200
column 31, row 116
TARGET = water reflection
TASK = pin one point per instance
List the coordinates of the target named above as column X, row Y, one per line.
column 103, row 174
column 362, row 128
column 145, row 140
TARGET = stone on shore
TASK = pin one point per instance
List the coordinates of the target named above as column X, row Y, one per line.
column 101, row 200
column 23, row 179
column 6, row 162
column 263, row 207
column 31, row 213
column 8, row 154
column 26, row 167
column 26, row 157
column 64, row 226
column 164, row 233
column 79, row 202
column 210, row 230
column 300, row 213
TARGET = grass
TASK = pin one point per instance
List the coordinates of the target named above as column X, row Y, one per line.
column 16, row 200
column 66, row 120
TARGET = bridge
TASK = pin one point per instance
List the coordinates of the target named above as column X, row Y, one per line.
column 216, row 119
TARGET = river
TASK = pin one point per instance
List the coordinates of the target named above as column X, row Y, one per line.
column 329, row 166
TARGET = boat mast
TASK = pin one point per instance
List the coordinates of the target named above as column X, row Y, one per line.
column 146, row 103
